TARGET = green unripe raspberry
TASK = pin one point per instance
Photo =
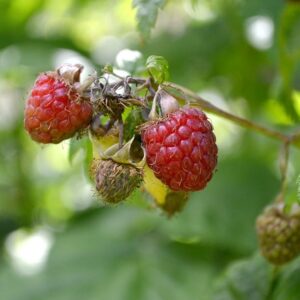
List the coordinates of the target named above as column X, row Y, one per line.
column 115, row 181
column 279, row 233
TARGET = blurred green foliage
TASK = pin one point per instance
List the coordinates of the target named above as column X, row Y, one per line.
column 132, row 251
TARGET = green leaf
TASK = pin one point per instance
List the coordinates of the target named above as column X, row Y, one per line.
column 75, row 146
column 108, row 69
column 298, row 189
column 289, row 31
column 116, row 254
column 85, row 145
column 133, row 120
column 158, row 68
column 146, row 15
column 289, row 50
column 245, row 280
column 288, row 287
column 285, row 94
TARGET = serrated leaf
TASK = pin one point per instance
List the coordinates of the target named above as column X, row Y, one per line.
column 158, row 68
column 146, row 14
column 247, row 280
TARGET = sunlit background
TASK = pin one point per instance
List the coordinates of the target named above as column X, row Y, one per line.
column 57, row 240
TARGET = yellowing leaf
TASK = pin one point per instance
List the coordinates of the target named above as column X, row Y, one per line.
column 154, row 186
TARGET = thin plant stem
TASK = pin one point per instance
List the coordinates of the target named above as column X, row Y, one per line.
column 275, row 274
column 196, row 100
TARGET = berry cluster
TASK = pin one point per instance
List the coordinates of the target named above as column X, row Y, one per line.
column 178, row 145
column 168, row 149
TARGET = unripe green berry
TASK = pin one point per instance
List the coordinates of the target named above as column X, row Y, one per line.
column 115, row 181
column 279, row 233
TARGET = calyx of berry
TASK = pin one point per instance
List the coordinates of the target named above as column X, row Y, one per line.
column 165, row 101
column 70, row 73
column 102, row 137
column 131, row 153
column 168, row 103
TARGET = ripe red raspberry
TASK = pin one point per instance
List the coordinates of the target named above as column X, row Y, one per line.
column 54, row 110
column 181, row 149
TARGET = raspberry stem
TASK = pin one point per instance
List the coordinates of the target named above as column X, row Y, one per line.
column 274, row 280
column 283, row 166
column 192, row 98
column 196, row 100
column 121, row 131
column 153, row 114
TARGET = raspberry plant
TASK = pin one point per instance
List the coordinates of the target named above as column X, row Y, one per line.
column 113, row 115
column 171, row 138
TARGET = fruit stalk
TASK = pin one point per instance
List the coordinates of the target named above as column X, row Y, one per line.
column 184, row 94
column 196, row 100
column 283, row 166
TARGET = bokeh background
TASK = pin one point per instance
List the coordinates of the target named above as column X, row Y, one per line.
column 58, row 242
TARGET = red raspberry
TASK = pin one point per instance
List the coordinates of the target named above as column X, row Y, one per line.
column 54, row 110
column 181, row 149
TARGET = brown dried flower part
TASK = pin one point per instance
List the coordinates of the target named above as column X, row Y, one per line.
column 279, row 233
column 70, row 72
